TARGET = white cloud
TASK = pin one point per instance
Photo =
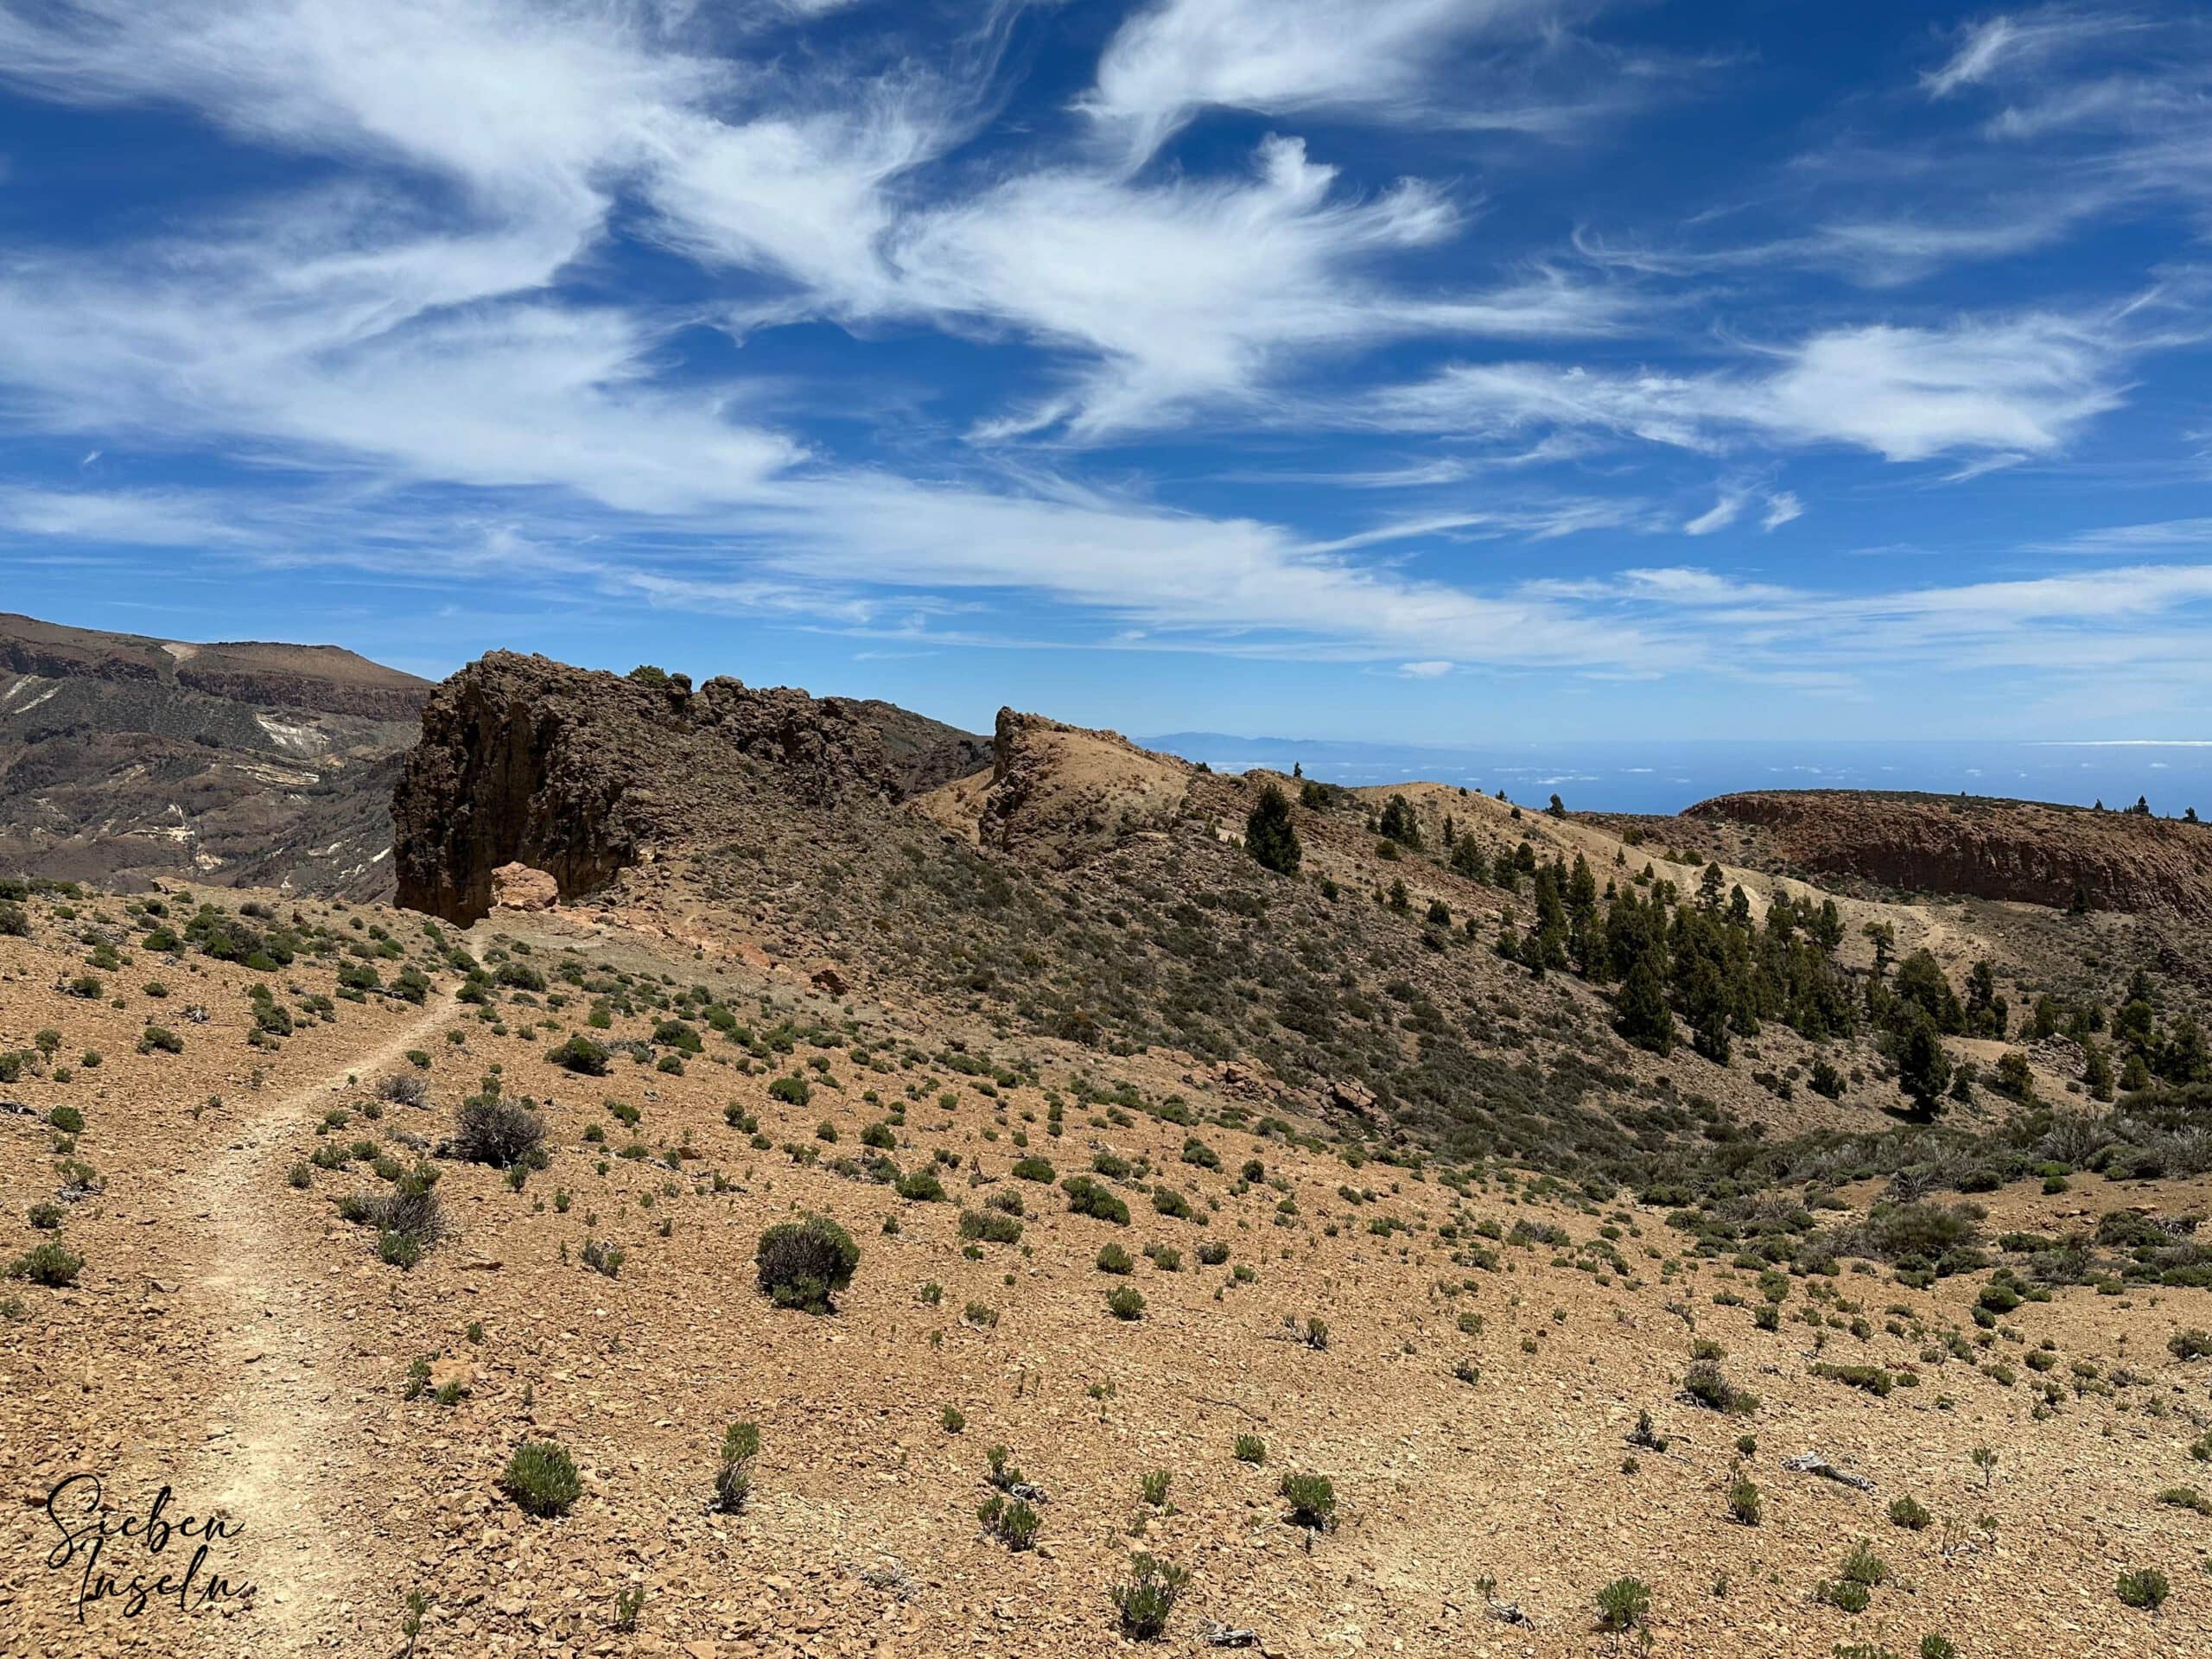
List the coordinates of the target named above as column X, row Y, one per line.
column 142, row 518
column 1721, row 514
column 1191, row 291
column 1781, row 507
column 1378, row 57
column 1432, row 669
column 1996, row 49
column 1907, row 394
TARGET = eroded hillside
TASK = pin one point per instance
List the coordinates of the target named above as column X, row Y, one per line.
column 123, row 758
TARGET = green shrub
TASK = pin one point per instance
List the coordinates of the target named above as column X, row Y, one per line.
column 48, row 1262
column 47, row 1217
column 1087, row 1197
column 2144, row 1588
column 1872, row 1378
column 1312, row 1500
column 1148, row 1598
column 581, row 1055
column 1744, row 1505
column 1862, row 1566
column 1013, row 1523
column 1125, row 1302
column 1703, row 1383
column 1844, row 1594
column 1034, row 1169
column 1624, row 1604
column 989, row 1226
column 1250, row 1448
column 792, row 1091
column 804, row 1263
column 1112, row 1258
column 733, row 1470
column 491, row 1130
column 1910, row 1513
column 2189, row 1344
column 921, row 1186
column 542, row 1478
column 67, row 1118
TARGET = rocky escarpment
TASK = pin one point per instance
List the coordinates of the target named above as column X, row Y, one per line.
column 125, row 758
column 2021, row 850
column 582, row 774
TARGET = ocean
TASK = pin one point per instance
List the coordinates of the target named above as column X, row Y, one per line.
column 1666, row 777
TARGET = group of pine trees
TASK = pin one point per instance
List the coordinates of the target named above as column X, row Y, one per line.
column 1698, row 968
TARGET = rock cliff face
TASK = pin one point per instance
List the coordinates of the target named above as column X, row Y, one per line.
column 582, row 774
column 125, row 757
column 2022, row 851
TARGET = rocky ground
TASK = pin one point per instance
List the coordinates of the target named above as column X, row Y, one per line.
column 1491, row 1340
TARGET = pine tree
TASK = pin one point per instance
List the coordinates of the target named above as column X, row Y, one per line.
column 1268, row 835
column 1399, row 824
column 2097, row 1072
column 1640, row 1012
column 1922, row 1063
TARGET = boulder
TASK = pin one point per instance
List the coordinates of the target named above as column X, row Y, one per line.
column 517, row 886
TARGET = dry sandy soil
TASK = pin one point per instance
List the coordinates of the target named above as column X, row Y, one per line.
column 232, row 1337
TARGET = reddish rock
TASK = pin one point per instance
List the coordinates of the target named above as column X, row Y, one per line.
column 517, row 886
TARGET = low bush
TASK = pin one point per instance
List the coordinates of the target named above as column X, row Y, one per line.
column 490, row 1129
column 1624, row 1604
column 2144, row 1588
column 1312, row 1500
column 804, row 1263
column 542, row 1479
column 1145, row 1600
column 49, row 1262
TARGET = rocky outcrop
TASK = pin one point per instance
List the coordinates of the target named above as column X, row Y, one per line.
column 2021, row 850
column 582, row 774
column 1058, row 794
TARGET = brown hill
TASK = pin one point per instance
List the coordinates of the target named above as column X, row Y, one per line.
column 1084, row 890
column 1057, row 794
column 124, row 757
column 2023, row 851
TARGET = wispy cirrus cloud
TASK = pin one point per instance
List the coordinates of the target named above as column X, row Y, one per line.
column 2026, row 383
column 1189, row 292
column 1468, row 63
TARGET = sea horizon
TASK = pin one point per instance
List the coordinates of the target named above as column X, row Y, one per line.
column 1662, row 776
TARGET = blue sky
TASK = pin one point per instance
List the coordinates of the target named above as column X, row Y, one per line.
column 1431, row 370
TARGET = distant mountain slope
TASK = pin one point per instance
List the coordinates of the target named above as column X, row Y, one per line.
column 2029, row 851
column 124, row 757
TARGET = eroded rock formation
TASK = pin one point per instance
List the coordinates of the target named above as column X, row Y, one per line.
column 582, row 774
